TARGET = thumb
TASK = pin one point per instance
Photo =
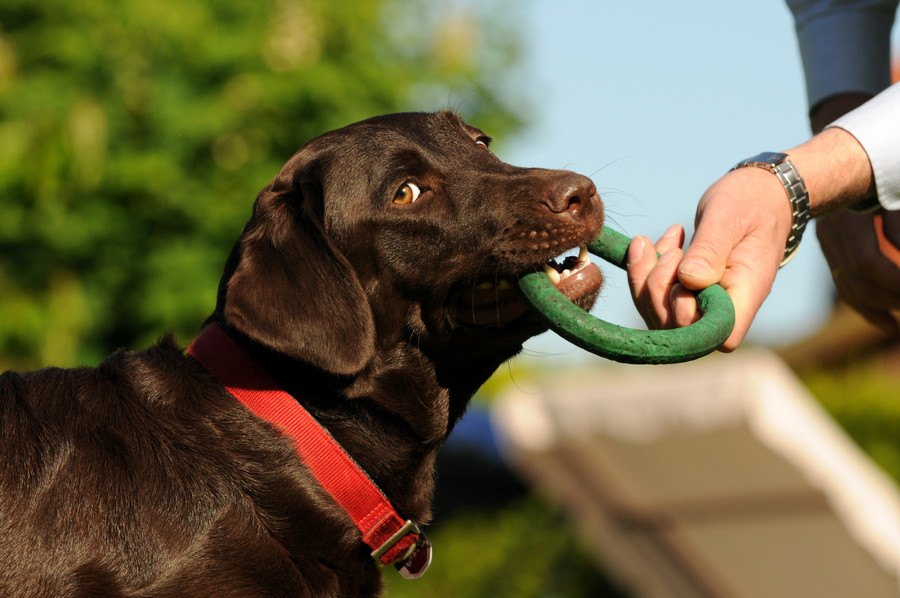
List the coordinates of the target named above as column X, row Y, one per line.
column 705, row 260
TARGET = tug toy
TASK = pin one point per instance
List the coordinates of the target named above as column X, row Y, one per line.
column 623, row 344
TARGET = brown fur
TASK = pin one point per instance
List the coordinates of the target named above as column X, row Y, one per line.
column 142, row 477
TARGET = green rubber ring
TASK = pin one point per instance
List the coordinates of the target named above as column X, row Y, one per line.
column 629, row 345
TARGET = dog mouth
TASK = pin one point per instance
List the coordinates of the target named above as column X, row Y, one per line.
column 499, row 301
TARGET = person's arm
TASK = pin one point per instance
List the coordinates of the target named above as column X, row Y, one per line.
column 744, row 219
column 876, row 126
column 845, row 49
column 862, row 249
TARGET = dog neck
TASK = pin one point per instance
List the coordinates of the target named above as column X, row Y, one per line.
column 392, row 539
column 391, row 418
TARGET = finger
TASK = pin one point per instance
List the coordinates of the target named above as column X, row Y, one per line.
column 641, row 259
column 659, row 285
column 684, row 306
column 671, row 239
column 705, row 259
column 746, row 304
column 748, row 288
column 638, row 262
column 740, row 257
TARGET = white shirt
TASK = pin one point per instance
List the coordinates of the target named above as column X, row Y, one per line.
column 845, row 47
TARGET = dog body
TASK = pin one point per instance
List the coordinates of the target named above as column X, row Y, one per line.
column 375, row 282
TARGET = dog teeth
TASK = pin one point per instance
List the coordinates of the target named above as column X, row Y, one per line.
column 504, row 284
column 574, row 265
column 485, row 286
column 552, row 273
column 583, row 254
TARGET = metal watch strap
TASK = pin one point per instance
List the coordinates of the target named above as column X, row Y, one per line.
column 798, row 196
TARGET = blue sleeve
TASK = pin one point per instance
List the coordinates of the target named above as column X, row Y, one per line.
column 844, row 45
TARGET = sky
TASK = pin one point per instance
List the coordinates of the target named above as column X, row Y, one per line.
column 655, row 100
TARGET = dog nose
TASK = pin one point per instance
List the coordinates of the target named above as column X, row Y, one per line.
column 571, row 193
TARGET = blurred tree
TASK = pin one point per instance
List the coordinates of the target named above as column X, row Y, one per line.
column 136, row 134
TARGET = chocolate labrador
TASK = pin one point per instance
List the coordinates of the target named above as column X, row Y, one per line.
column 375, row 286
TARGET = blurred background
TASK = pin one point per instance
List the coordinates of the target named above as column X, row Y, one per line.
column 135, row 135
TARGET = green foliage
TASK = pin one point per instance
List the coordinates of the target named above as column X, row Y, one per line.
column 863, row 398
column 136, row 135
column 525, row 550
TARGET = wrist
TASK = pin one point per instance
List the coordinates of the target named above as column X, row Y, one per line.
column 793, row 190
column 836, row 170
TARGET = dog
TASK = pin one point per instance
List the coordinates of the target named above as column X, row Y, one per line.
column 375, row 286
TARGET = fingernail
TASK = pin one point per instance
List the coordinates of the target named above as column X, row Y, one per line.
column 673, row 231
column 636, row 250
column 696, row 268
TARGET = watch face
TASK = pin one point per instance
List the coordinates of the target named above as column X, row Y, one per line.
column 773, row 158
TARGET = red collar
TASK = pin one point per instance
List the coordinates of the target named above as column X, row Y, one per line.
column 393, row 540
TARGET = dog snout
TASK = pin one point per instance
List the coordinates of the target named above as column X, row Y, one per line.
column 572, row 194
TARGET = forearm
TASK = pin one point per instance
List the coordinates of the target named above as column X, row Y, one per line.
column 876, row 126
column 836, row 170
column 857, row 157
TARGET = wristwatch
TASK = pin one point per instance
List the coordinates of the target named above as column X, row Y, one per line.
column 779, row 165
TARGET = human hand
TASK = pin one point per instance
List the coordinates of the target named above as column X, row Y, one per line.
column 862, row 251
column 742, row 224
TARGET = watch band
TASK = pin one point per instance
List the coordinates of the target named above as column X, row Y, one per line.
column 798, row 196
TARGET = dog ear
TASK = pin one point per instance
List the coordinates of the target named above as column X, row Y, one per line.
column 290, row 288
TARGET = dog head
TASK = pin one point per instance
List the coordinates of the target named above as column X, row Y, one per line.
column 404, row 228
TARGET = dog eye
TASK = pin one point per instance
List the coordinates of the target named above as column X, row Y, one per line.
column 483, row 141
column 407, row 193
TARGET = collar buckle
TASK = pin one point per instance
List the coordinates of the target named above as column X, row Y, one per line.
column 415, row 560
column 408, row 528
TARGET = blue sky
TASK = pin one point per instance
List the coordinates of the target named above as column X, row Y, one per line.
column 655, row 100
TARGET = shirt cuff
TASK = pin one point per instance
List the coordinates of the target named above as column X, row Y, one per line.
column 876, row 125
column 845, row 51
